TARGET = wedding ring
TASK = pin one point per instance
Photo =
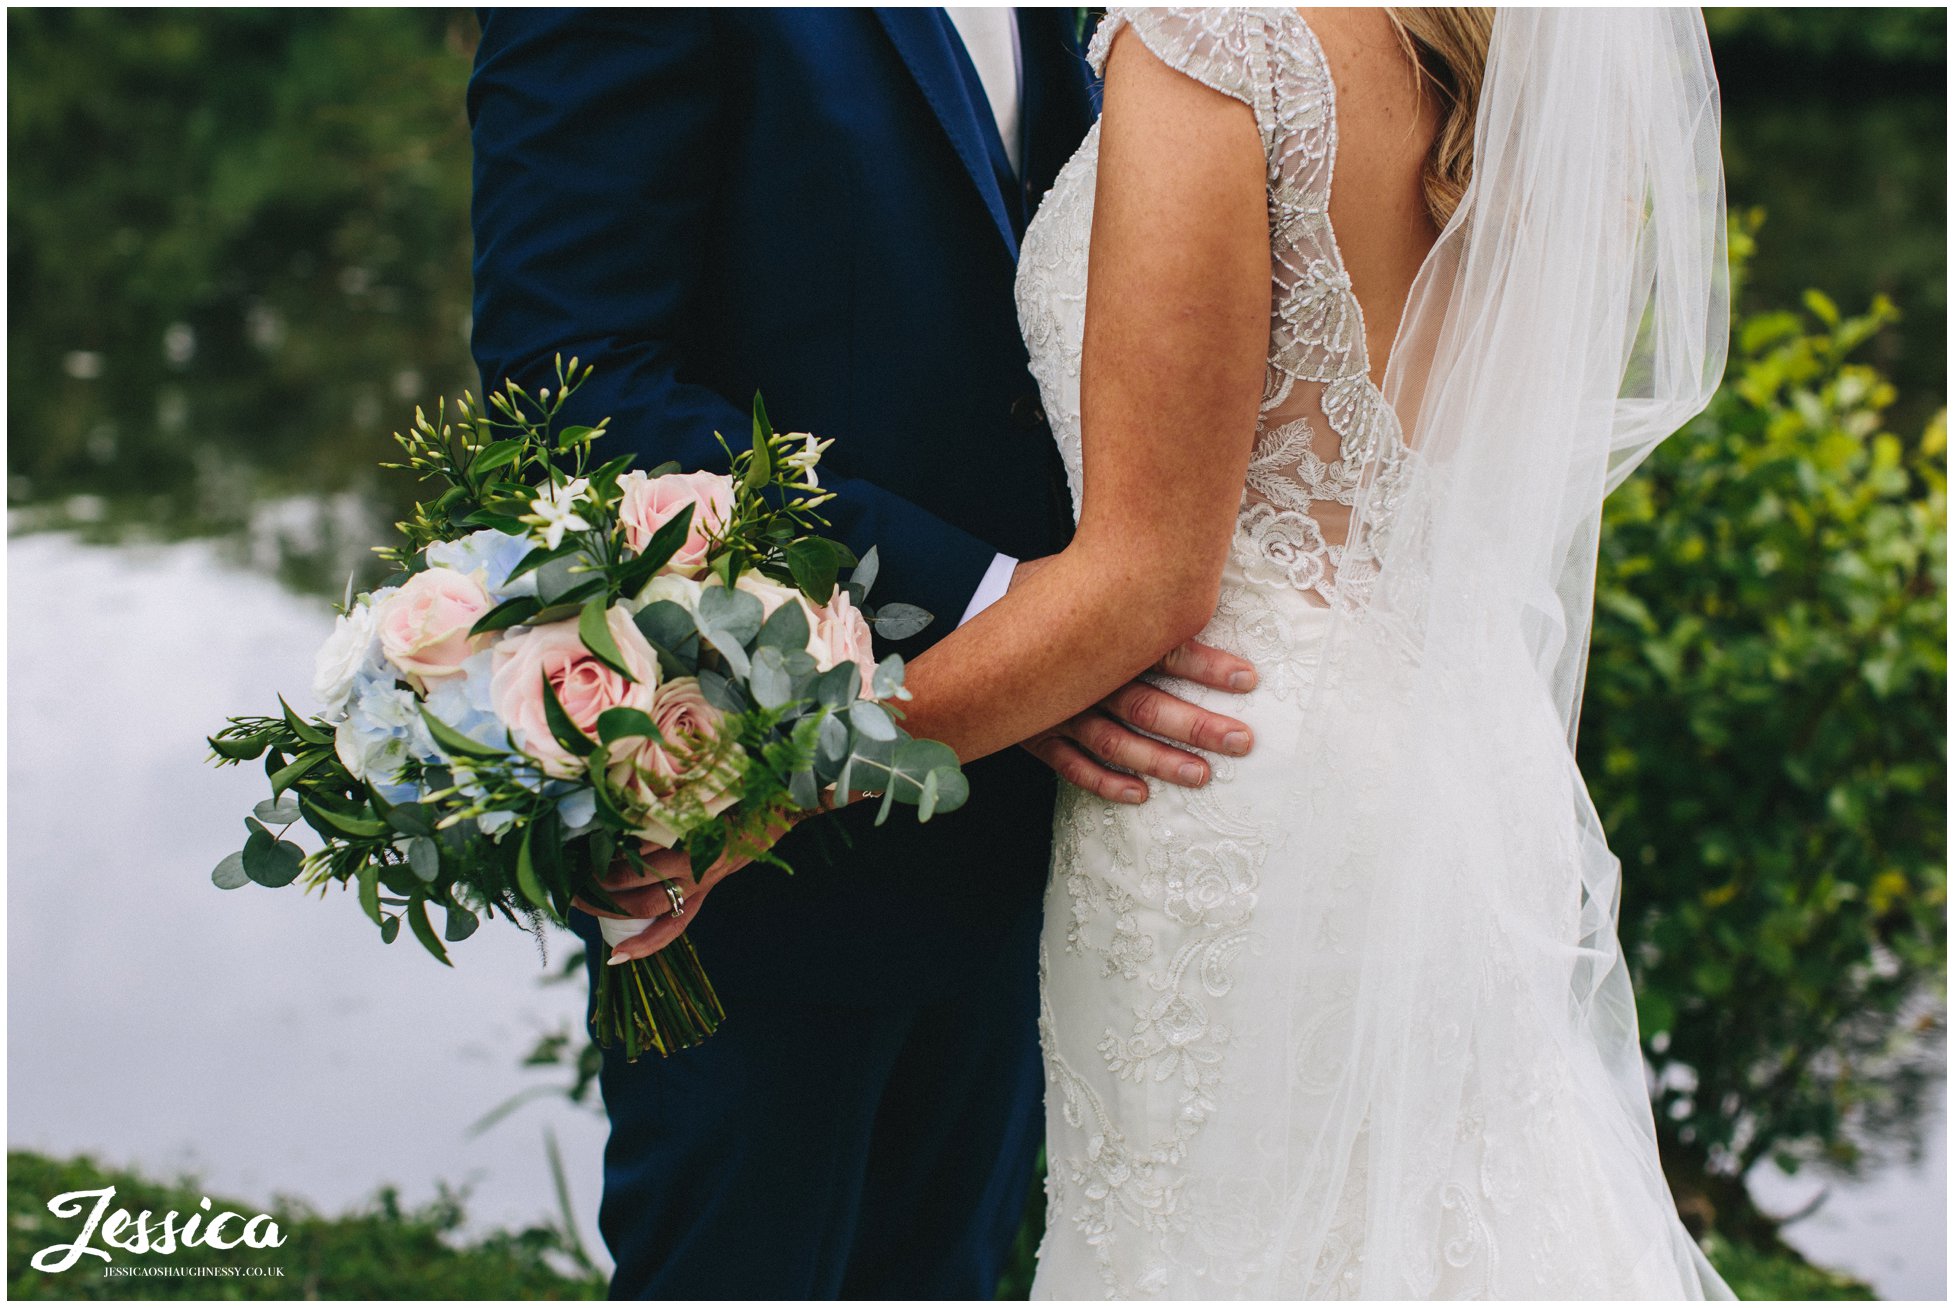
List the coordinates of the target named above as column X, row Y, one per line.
column 677, row 896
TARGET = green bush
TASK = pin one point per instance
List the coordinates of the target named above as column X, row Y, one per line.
column 380, row 1251
column 1763, row 735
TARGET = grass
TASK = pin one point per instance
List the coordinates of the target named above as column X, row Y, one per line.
column 384, row 1251
column 378, row 1251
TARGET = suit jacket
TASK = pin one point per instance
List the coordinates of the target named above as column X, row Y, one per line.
column 708, row 202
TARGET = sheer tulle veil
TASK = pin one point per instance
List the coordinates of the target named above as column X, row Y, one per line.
column 1456, row 1102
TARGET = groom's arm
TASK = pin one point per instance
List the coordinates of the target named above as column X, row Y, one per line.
column 597, row 138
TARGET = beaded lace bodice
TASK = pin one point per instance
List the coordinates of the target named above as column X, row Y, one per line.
column 1325, row 434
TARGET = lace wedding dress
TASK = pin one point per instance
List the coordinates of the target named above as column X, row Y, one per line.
column 1194, row 1099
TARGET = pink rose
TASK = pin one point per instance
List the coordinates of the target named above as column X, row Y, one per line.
column 772, row 594
column 841, row 635
column 585, row 686
column 424, row 625
column 685, row 776
column 836, row 632
column 649, row 503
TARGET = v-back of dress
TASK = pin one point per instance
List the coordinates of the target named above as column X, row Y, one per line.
column 1151, row 925
column 1322, row 421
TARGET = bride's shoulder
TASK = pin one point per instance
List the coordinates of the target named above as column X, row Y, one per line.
column 1228, row 49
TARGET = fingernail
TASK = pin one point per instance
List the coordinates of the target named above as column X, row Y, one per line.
column 1242, row 681
column 1134, row 794
column 1191, row 774
column 1235, row 742
column 619, row 957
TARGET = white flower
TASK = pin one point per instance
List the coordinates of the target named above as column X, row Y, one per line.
column 555, row 512
column 803, row 461
column 672, row 588
column 350, row 648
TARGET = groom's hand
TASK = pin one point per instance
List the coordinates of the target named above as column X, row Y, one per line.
column 1103, row 748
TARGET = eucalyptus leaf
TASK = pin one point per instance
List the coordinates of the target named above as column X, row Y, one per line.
column 733, row 613
column 424, row 858
column 901, row 621
column 719, row 692
column 771, row 685
column 839, row 686
column 831, row 740
column 390, row 929
column 786, row 630
column 664, row 623
column 888, row 677
column 461, row 923
column 229, row 874
column 872, row 720
column 865, row 573
column 804, row 790
column 271, row 862
column 277, row 812
column 952, row 788
column 730, row 648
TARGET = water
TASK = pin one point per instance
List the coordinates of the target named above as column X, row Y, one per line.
column 262, row 1039
column 1888, row 1228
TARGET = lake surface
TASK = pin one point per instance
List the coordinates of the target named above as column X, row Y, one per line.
column 265, row 1041
column 271, row 1043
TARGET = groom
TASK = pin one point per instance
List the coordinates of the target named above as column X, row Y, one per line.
column 825, row 205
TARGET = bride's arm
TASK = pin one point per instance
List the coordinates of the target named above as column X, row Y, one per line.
column 1176, row 346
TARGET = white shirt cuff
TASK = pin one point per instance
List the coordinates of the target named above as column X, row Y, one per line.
column 997, row 580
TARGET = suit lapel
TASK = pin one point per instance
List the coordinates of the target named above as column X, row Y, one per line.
column 921, row 43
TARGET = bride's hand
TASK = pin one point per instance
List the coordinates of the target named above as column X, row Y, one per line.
column 642, row 894
column 1107, row 748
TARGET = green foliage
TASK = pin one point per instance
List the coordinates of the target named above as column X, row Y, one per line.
column 1886, row 34
column 1776, row 1273
column 378, row 1251
column 1763, row 735
column 225, row 230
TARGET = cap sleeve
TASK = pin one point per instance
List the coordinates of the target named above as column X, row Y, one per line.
column 1226, row 50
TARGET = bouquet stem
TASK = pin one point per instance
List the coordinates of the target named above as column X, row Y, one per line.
column 661, row 1003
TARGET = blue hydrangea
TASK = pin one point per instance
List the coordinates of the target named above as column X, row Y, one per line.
column 382, row 731
column 494, row 554
column 462, row 702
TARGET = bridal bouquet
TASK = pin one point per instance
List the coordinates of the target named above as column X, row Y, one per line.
column 575, row 667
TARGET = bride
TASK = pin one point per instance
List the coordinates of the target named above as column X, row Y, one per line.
column 1346, row 321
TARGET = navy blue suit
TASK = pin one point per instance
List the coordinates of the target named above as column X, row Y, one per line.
column 814, row 204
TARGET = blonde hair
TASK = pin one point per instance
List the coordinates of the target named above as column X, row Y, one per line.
column 1448, row 47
